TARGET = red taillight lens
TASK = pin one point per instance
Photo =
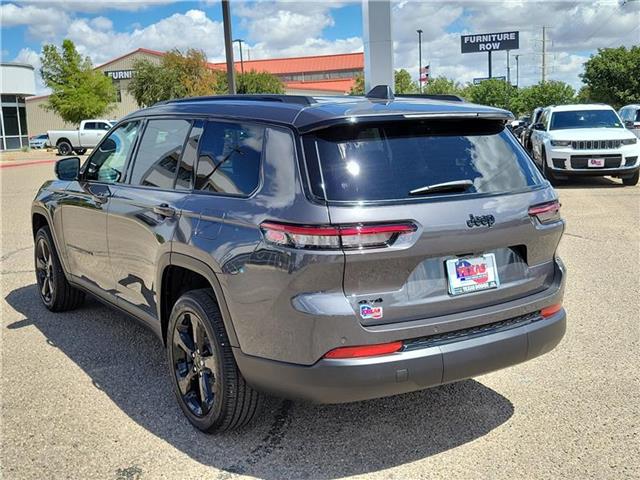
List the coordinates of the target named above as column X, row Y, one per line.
column 334, row 237
column 546, row 212
column 552, row 310
column 365, row 350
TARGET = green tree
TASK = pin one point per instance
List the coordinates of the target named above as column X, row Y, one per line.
column 78, row 91
column 492, row 92
column 402, row 80
column 584, row 95
column 253, row 82
column 177, row 76
column 443, row 86
column 542, row 94
column 613, row 76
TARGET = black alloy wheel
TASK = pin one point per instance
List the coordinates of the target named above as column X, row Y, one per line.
column 44, row 271
column 64, row 148
column 194, row 364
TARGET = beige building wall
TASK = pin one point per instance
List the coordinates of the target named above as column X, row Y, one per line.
column 40, row 120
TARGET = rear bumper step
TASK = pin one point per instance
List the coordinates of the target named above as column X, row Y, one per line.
column 421, row 364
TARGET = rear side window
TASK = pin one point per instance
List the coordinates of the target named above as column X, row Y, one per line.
column 229, row 158
column 386, row 161
column 160, row 148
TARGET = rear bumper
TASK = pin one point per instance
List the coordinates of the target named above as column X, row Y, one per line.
column 339, row 381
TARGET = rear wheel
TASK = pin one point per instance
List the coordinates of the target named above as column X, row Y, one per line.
column 210, row 389
column 632, row 180
column 64, row 148
column 55, row 292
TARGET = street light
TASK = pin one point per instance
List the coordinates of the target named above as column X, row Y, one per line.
column 517, row 57
column 239, row 40
column 420, row 58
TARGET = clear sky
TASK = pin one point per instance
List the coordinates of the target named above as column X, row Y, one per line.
column 106, row 29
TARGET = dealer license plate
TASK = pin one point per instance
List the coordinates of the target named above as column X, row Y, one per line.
column 595, row 163
column 472, row 274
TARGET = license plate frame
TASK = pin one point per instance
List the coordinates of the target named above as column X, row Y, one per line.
column 595, row 163
column 481, row 274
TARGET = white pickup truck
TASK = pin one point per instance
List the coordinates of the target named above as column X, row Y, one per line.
column 79, row 140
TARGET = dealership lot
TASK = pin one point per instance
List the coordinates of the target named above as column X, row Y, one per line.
column 87, row 394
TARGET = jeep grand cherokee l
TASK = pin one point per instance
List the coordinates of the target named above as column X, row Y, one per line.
column 327, row 249
column 585, row 140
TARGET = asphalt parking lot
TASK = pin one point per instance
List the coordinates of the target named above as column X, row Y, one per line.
column 86, row 394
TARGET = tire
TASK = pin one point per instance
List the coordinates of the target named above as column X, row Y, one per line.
column 55, row 291
column 80, row 151
column 632, row 180
column 546, row 171
column 208, row 385
column 64, row 148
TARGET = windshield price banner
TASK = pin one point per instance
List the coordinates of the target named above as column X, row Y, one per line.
column 489, row 42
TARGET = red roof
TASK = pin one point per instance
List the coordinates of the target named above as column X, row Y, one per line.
column 316, row 63
column 339, row 85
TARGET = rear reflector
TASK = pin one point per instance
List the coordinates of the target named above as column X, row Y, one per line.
column 552, row 310
column 334, row 237
column 365, row 350
column 546, row 212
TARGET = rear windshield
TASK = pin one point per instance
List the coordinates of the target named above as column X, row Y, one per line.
column 387, row 161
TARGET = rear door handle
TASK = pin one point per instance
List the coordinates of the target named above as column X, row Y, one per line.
column 164, row 210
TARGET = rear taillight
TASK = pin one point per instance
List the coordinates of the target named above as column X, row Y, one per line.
column 551, row 310
column 365, row 350
column 546, row 212
column 335, row 237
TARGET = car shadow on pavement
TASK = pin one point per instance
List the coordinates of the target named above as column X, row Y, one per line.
column 588, row 182
column 290, row 439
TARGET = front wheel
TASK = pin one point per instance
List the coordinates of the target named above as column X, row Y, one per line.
column 632, row 180
column 55, row 291
column 210, row 389
column 64, row 148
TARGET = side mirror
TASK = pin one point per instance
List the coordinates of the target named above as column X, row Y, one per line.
column 68, row 168
column 538, row 126
column 629, row 124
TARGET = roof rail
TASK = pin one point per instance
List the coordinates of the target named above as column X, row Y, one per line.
column 294, row 99
column 447, row 97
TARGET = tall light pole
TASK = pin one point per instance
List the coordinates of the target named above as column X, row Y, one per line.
column 239, row 40
column 228, row 47
column 420, row 58
column 517, row 71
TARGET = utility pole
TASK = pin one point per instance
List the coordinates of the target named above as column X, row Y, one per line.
column 508, row 67
column 239, row 40
column 544, row 54
column 228, row 47
column 420, row 59
column 517, row 71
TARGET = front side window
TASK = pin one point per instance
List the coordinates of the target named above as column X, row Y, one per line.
column 90, row 126
column 107, row 162
column 585, row 119
column 159, row 153
column 229, row 158
column 401, row 160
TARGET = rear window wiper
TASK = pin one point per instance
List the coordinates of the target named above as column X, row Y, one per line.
column 455, row 186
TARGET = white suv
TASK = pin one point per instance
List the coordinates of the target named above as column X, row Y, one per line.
column 571, row 140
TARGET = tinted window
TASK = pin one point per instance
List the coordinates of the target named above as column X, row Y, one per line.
column 387, row 161
column 585, row 119
column 102, row 126
column 106, row 163
column 160, row 148
column 637, row 116
column 90, row 126
column 229, row 158
column 184, row 180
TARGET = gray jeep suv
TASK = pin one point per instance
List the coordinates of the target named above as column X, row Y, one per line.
column 327, row 249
